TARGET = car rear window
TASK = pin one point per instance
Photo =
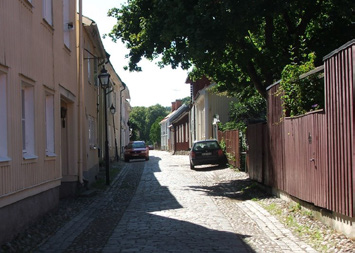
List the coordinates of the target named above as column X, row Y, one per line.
column 138, row 145
column 206, row 145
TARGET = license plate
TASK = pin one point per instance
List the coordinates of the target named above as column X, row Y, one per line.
column 206, row 154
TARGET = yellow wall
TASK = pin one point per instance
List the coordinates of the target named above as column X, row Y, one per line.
column 33, row 51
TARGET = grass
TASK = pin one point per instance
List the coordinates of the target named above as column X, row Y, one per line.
column 290, row 218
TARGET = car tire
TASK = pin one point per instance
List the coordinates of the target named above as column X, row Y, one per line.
column 126, row 159
column 192, row 166
column 147, row 158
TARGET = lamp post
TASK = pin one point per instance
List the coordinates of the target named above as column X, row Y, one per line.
column 104, row 79
column 113, row 111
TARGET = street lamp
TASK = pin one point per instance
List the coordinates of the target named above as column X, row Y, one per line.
column 104, row 79
column 113, row 111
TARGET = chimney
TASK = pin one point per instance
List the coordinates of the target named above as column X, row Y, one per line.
column 178, row 103
column 173, row 106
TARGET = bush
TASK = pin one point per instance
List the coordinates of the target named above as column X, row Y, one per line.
column 301, row 95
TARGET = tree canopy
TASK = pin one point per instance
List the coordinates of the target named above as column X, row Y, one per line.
column 155, row 131
column 141, row 120
column 236, row 43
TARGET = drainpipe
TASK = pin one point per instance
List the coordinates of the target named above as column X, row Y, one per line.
column 80, row 94
column 121, row 106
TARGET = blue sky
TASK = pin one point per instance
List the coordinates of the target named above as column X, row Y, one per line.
column 151, row 86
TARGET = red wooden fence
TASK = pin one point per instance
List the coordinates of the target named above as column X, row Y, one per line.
column 339, row 88
column 305, row 158
column 231, row 139
column 311, row 157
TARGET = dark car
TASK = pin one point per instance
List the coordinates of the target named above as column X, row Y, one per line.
column 136, row 150
column 206, row 152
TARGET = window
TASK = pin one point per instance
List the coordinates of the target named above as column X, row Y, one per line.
column 67, row 24
column 47, row 11
column 3, row 119
column 50, row 140
column 28, row 133
column 111, row 98
column 92, row 134
column 186, row 132
column 89, row 63
column 177, row 134
column 180, row 133
column 96, row 72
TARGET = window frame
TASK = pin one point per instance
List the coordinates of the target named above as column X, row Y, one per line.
column 66, row 20
column 50, row 124
column 47, row 9
column 28, row 121
column 3, row 118
column 92, row 132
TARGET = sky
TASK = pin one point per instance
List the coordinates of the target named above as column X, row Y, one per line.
column 151, row 86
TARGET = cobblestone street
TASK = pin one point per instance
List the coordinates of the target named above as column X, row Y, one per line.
column 162, row 206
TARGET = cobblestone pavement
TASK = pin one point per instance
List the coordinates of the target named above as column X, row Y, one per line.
column 163, row 206
column 167, row 214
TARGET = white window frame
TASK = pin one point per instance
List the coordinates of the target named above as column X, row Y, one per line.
column 47, row 6
column 66, row 19
column 186, row 132
column 49, row 121
column 3, row 119
column 89, row 64
column 92, row 132
column 28, row 122
column 96, row 72
column 109, row 97
column 180, row 133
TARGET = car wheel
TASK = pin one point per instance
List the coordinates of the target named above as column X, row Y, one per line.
column 147, row 158
column 192, row 166
column 126, row 159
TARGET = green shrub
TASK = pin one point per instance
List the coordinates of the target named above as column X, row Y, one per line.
column 301, row 95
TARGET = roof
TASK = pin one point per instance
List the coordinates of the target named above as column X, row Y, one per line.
column 93, row 31
column 180, row 113
column 171, row 116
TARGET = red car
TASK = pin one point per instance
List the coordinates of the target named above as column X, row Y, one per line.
column 136, row 150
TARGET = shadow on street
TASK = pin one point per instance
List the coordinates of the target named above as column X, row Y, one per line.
column 154, row 221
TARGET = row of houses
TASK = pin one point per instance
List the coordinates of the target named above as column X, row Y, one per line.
column 52, row 108
column 196, row 121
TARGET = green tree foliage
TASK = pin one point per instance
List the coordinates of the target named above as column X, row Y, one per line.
column 155, row 131
column 300, row 95
column 137, row 119
column 142, row 118
column 236, row 43
column 153, row 112
column 186, row 100
column 249, row 108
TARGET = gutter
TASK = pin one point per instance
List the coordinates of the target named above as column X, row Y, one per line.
column 121, row 107
column 80, row 93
